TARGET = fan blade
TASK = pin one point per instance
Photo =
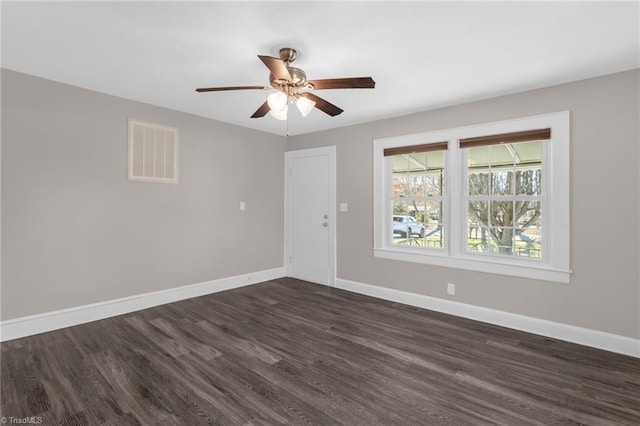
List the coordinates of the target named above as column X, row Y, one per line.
column 220, row 89
column 344, row 83
column 277, row 67
column 322, row 105
column 262, row 111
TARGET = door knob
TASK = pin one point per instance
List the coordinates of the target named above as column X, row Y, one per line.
column 325, row 224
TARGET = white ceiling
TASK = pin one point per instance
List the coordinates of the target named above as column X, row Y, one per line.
column 422, row 55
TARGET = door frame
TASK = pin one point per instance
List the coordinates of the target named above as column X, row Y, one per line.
column 330, row 152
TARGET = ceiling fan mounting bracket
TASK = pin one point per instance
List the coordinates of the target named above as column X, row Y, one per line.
column 288, row 54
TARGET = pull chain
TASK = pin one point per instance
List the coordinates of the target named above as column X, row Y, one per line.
column 290, row 103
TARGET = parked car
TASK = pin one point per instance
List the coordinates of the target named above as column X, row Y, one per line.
column 407, row 226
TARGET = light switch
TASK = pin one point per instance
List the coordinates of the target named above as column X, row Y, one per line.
column 344, row 207
column 242, row 206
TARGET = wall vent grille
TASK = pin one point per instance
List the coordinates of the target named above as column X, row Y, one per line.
column 153, row 152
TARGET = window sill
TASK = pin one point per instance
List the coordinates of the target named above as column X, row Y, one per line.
column 533, row 271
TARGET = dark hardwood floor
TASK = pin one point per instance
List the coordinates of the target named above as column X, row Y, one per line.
column 287, row 351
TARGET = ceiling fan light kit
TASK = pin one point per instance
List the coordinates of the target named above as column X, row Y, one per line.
column 293, row 87
column 279, row 115
column 277, row 101
column 304, row 105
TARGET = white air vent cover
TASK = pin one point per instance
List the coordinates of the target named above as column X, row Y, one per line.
column 153, row 152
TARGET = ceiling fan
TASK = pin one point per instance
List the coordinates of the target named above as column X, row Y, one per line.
column 293, row 87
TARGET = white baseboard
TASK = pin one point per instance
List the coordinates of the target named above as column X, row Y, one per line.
column 570, row 333
column 40, row 323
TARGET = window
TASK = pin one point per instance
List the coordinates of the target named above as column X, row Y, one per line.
column 492, row 197
column 504, row 194
column 417, row 194
column 153, row 152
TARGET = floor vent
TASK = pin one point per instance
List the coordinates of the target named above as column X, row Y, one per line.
column 153, row 152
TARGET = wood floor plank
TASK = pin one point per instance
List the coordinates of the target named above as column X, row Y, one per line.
column 291, row 352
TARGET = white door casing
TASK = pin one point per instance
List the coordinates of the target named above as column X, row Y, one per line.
column 310, row 214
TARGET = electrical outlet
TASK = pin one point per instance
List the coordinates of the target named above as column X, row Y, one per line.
column 451, row 289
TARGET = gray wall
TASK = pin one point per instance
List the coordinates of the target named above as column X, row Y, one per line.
column 604, row 290
column 75, row 231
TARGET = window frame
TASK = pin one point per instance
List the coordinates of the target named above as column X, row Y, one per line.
column 555, row 264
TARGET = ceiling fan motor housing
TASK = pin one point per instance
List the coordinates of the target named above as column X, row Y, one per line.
column 298, row 76
column 298, row 80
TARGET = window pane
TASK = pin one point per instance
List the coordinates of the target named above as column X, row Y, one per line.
column 416, row 184
column 502, row 182
column 417, row 211
column 478, row 213
column 478, row 157
column 479, row 182
column 528, row 161
column 399, row 178
column 400, row 218
column 434, row 233
column 478, row 161
column 527, row 152
column 434, row 183
column 433, row 211
column 400, row 185
column 529, row 181
column 479, row 239
column 400, row 208
column 528, row 229
column 501, row 155
column 503, row 239
column 416, row 167
column 528, row 214
column 501, row 213
column 528, row 244
column 502, row 221
column 435, row 160
column 406, row 229
column 417, row 161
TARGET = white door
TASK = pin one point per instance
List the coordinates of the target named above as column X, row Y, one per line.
column 310, row 210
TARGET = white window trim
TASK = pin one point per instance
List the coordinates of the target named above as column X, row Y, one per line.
column 556, row 239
